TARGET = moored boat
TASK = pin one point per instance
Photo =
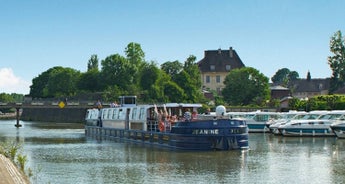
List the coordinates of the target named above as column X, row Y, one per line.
column 339, row 129
column 314, row 128
column 174, row 126
column 259, row 121
column 285, row 118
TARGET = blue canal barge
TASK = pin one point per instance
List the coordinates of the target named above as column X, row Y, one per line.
column 175, row 126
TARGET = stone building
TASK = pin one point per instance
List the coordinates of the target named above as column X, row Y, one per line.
column 308, row 87
column 279, row 92
column 215, row 66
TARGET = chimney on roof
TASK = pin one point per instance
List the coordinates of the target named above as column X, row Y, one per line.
column 219, row 51
column 231, row 52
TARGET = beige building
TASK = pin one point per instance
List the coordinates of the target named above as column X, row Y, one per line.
column 215, row 66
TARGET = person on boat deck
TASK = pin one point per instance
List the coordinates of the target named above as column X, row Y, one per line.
column 194, row 115
column 187, row 115
column 113, row 104
column 207, row 111
column 99, row 104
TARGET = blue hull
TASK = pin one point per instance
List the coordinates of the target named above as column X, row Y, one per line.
column 200, row 136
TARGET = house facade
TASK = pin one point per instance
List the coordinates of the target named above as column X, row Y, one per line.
column 216, row 65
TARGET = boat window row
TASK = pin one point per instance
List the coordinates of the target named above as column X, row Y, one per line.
column 309, row 123
column 92, row 114
column 114, row 113
column 266, row 117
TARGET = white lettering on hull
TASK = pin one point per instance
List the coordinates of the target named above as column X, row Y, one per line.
column 205, row 131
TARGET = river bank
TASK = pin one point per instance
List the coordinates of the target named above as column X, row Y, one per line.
column 7, row 116
column 9, row 173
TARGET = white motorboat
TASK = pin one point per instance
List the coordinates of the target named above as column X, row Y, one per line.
column 339, row 129
column 260, row 120
column 316, row 127
column 286, row 117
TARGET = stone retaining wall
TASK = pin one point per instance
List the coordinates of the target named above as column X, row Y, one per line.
column 54, row 114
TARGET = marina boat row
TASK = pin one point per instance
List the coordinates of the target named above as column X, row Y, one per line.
column 314, row 123
column 257, row 121
column 295, row 123
column 176, row 126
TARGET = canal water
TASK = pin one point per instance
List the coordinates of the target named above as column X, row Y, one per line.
column 60, row 153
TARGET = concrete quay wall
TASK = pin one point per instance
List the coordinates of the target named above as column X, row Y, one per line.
column 54, row 114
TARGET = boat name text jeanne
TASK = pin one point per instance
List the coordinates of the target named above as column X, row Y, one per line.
column 205, row 131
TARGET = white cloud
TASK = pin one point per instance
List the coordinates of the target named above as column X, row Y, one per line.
column 10, row 83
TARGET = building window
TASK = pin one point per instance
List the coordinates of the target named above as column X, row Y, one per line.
column 207, row 79
column 218, row 78
column 227, row 67
column 212, row 67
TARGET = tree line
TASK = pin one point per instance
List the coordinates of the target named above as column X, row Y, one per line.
column 124, row 75
column 172, row 81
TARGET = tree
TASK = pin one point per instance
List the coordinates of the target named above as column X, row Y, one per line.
column 149, row 75
column 166, row 90
column 136, row 57
column 173, row 92
column 189, row 80
column 93, row 63
column 62, row 83
column 172, row 68
column 6, row 98
column 337, row 61
column 284, row 76
column 293, row 75
column 134, row 53
column 89, row 81
column 245, row 86
column 39, row 83
column 184, row 81
column 112, row 93
column 193, row 70
column 116, row 70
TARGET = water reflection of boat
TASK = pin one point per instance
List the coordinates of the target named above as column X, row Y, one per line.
column 172, row 125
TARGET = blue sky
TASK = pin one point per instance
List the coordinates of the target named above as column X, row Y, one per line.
column 267, row 34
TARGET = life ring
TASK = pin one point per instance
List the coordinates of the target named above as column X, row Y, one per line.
column 161, row 126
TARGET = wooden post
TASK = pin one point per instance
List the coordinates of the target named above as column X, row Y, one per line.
column 17, row 117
